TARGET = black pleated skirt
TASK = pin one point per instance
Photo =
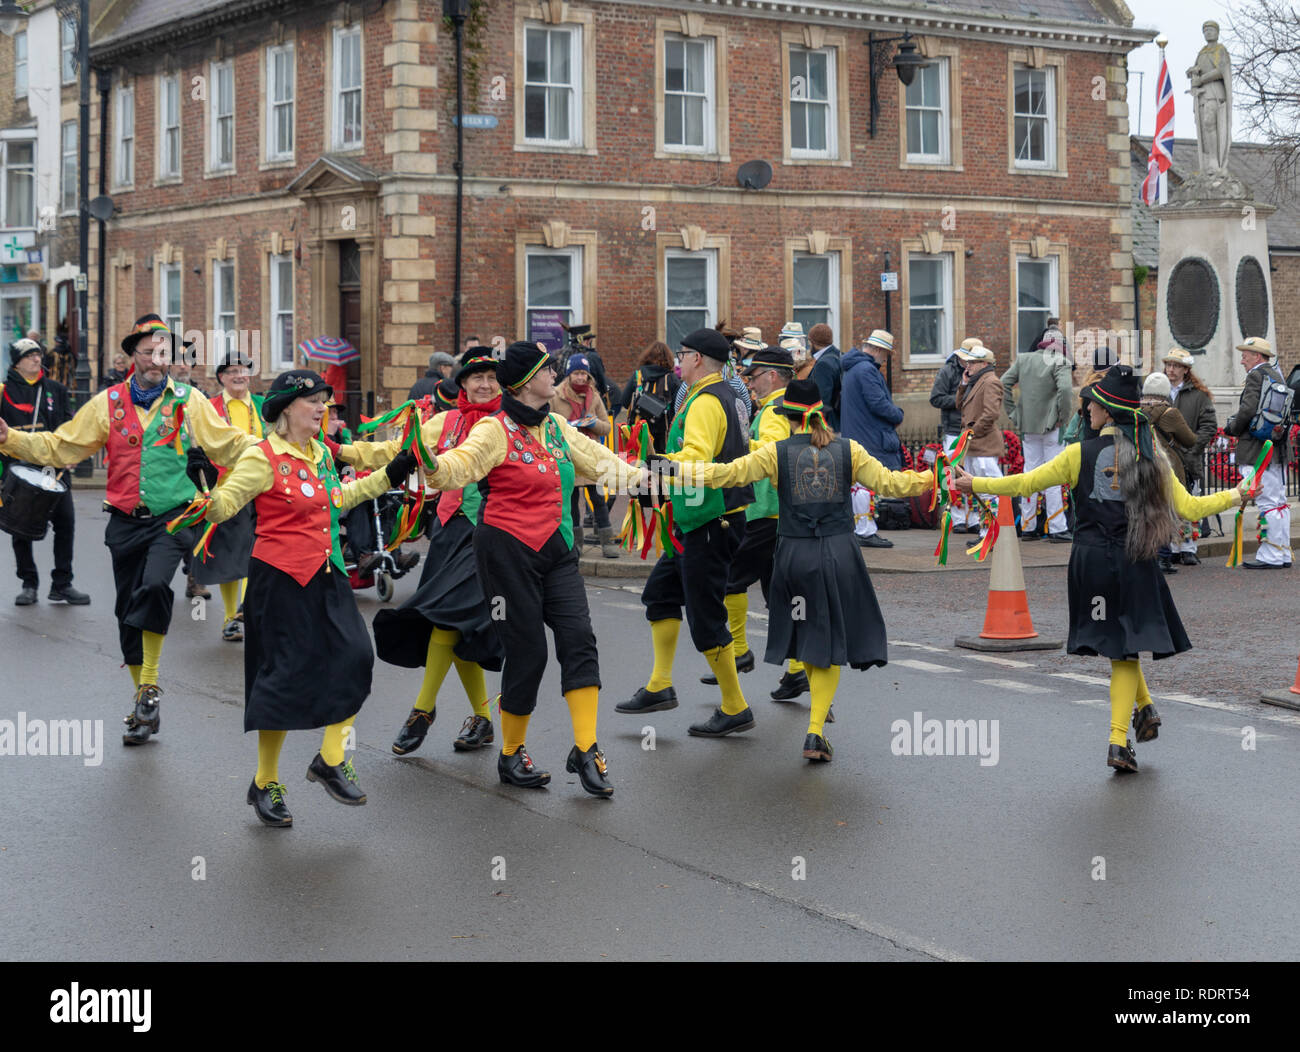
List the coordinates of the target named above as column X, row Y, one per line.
column 450, row 597
column 822, row 609
column 1120, row 609
column 231, row 547
column 307, row 654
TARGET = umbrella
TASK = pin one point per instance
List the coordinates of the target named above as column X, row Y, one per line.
column 329, row 349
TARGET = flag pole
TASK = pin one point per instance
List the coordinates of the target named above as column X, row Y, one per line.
column 1163, row 188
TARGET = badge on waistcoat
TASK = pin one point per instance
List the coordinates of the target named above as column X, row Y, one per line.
column 131, row 440
column 528, row 458
column 541, row 468
column 115, row 395
column 514, row 456
column 119, row 413
column 336, row 497
column 518, row 444
column 308, row 490
column 302, row 474
column 284, row 468
column 511, row 424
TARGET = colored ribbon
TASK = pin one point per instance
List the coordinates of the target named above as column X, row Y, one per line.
column 942, row 497
column 1261, row 464
column 407, row 417
column 174, row 435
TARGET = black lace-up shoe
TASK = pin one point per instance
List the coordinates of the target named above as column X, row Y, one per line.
column 233, row 632
column 475, row 733
column 649, row 701
column 591, row 770
column 1146, row 723
column 340, row 782
column 68, row 594
column 744, row 663
column 520, row 770
column 411, row 736
column 144, row 719
column 1122, row 757
column 269, row 804
column 791, row 686
column 817, row 749
column 719, row 725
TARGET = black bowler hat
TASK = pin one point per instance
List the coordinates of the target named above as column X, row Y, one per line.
column 1120, row 394
column 291, row 385
column 475, row 360
column 801, row 401
column 148, row 325
column 230, row 361
column 770, row 358
column 522, row 362
column 710, row 343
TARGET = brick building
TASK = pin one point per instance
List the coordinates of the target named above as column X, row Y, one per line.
column 291, row 170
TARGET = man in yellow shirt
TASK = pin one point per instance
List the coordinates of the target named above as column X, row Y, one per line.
column 710, row 525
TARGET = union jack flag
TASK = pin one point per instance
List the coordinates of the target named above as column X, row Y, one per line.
column 1162, row 145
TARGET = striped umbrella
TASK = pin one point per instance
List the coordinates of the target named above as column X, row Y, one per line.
column 330, row 349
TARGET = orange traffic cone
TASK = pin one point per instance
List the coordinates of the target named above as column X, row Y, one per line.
column 1289, row 700
column 1007, row 624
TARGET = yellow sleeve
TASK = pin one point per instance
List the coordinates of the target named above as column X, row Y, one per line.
column 1061, row 470
column 250, row 476
column 593, row 460
column 365, row 489
column 706, row 426
column 483, row 449
column 760, row 464
column 222, row 442
column 368, row 456
column 879, row 479
column 81, row 437
column 1196, row 508
column 772, row 427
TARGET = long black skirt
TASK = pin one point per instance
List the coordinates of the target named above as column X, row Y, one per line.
column 307, row 654
column 1120, row 609
column 231, row 547
column 822, row 609
column 450, row 597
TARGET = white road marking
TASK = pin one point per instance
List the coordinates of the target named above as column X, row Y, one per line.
column 1079, row 677
column 918, row 646
column 925, row 666
column 1006, row 662
column 626, row 606
column 1097, row 703
column 1013, row 684
column 1185, row 698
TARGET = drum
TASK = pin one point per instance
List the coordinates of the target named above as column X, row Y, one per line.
column 29, row 495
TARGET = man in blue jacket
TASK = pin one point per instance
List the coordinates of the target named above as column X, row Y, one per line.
column 869, row 417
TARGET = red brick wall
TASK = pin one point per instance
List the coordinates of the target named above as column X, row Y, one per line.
column 1286, row 309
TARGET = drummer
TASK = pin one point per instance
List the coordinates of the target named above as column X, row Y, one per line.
column 30, row 400
column 226, row 565
column 147, row 486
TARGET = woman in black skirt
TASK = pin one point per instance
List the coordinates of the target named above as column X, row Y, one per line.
column 1125, row 496
column 226, row 563
column 446, row 622
column 822, row 609
column 308, row 660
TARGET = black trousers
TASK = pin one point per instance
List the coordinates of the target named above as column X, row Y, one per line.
column 64, row 522
column 525, row 591
column 145, row 557
column 753, row 559
column 600, row 510
column 697, row 580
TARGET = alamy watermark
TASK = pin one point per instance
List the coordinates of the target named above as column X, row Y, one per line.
column 37, row 737
column 922, row 737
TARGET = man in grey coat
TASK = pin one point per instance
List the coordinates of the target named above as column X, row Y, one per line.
column 1260, row 362
column 1044, row 407
column 1195, row 404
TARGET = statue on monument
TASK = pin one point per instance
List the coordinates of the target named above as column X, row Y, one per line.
column 1211, row 80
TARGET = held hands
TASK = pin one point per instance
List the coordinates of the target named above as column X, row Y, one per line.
column 962, row 480
column 201, row 471
column 400, row 467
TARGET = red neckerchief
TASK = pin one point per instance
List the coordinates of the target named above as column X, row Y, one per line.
column 24, row 407
column 472, row 412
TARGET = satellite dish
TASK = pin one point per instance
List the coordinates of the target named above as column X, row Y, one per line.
column 754, row 175
column 101, row 208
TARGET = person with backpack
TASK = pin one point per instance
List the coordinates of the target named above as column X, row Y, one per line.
column 1264, row 413
column 1125, row 497
column 651, row 392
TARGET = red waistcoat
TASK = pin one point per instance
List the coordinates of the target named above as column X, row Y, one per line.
column 295, row 528
column 525, row 494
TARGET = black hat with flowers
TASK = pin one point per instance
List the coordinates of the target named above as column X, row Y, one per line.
column 1120, row 394
column 801, row 402
column 475, row 360
column 522, row 362
column 289, row 386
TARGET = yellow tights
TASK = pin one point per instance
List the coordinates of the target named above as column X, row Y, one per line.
column 439, row 659
column 738, row 620
column 151, row 643
column 722, row 660
column 664, row 635
column 1128, row 688
column 822, row 682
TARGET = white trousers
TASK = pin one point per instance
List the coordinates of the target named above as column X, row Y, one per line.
column 1187, row 544
column 1276, row 513
column 982, row 467
column 1038, row 450
column 864, row 525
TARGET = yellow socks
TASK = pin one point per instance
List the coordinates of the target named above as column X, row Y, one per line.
column 822, row 682
column 722, row 660
column 436, row 663
column 514, row 732
column 471, row 678
column 1143, row 694
column 794, row 667
column 151, row 643
column 1124, row 679
column 738, row 619
column 230, row 597
column 582, row 712
column 331, row 745
column 664, row 635
column 269, row 744
column 135, row 674
column 243, row 587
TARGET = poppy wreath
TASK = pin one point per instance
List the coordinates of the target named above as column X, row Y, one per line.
column 1221, row 461
column 1012, row 462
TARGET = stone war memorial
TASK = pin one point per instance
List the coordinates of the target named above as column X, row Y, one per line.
column 1214, row 288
